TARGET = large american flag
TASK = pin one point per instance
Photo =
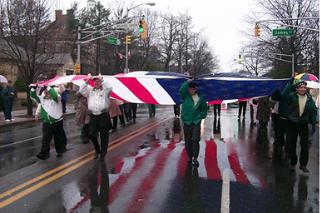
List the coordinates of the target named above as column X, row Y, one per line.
column 163, row 87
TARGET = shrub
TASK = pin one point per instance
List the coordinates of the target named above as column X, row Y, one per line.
column 24, row 103
column 20, row 86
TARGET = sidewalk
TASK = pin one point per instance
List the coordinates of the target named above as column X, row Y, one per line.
column 20, row 116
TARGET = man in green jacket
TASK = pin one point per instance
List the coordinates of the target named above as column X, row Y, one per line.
column 194, row 108
column 301, row 111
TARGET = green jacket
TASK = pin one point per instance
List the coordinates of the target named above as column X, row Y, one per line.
column 189, row 113
column 309, row 114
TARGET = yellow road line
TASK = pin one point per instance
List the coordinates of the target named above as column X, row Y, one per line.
column 58, row 175
column 42, row 183
column 9, row 192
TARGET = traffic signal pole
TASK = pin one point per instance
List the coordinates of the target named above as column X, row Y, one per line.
column 126, row 68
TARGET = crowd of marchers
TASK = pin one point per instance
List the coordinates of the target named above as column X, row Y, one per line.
column 96, row 113
column 293, row 112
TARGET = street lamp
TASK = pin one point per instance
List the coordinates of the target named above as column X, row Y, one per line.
column 148, row 3
column 128, row 9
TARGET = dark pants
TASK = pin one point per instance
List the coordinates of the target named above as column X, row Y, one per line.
column 152, row 110
column 242, row 107
column 280, row 129
column 133, row 110
column 127, row 112
column 176, row 109
column 54, row 130
column 114, row 122
column 293, row 131
column 216, row 109
column 100, row 124
column 64, row 106
column 192, row 138
column 7, row 109
column 121, row 117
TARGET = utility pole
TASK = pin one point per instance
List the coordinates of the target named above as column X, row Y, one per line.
column 126, row 68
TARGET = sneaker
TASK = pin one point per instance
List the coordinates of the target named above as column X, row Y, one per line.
column 7, row 120
column 12, row 119
column 304, row 169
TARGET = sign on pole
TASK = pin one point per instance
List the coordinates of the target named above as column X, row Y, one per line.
column 114, row 41
column 283, row 32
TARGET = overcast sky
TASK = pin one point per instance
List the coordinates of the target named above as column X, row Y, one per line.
column 221, row 20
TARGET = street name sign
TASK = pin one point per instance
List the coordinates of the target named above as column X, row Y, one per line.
column 126, row 25
column 114, row 41
column 283, row 32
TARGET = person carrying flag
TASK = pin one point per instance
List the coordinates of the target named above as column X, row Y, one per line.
column 98, row 103
column 51, row 114
column 194, row 108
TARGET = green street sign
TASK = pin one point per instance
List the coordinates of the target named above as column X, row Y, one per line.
column 283, row 32
column 114, row 41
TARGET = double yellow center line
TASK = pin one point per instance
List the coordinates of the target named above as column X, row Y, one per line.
column 113, row 144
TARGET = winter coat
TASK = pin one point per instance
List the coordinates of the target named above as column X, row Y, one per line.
column 114, row 109
column 82, row 113
column 191, row 114
column 8, row 94
column 264, row 109
column 309, row 114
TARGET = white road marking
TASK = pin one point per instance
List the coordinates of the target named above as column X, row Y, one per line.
column 225, row 195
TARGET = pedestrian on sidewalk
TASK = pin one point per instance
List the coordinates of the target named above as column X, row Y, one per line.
column 82, row 117
column 194, row 108
column 98, row 104
column 8, row 98
column 51, row 114
column 301, row 112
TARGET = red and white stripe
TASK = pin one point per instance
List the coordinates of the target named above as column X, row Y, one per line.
column 147, row 178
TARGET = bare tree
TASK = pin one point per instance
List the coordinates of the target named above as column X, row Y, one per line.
column 169, row 34
column 290, row 14
column 24, row 28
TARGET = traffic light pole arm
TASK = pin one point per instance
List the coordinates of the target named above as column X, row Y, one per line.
column 288, row 19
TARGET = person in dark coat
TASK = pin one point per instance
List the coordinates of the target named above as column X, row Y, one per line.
column 263, row 116
column 301, row 112
column 194, row 109
column 8, row 98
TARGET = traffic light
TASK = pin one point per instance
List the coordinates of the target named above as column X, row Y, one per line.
column 77, row 68
column 128, row 39
column 144, row 32
column 141, row 26
column 240, row 59
column 257, row 30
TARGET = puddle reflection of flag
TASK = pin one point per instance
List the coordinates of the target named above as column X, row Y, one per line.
column 151, row 180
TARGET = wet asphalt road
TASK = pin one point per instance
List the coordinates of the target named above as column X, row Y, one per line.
column 146, row 171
